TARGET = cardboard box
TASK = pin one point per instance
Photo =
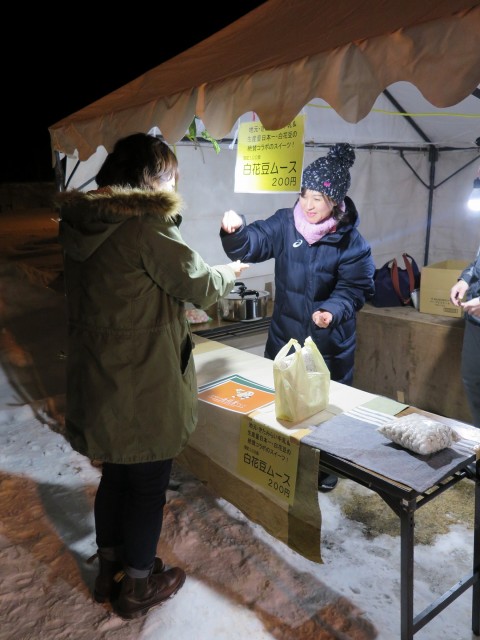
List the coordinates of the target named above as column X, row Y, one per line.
column 435, row 283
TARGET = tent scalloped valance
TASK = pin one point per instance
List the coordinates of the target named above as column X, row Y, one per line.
column 348, row 77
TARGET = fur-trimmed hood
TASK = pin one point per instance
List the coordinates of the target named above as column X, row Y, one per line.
column 88, row 219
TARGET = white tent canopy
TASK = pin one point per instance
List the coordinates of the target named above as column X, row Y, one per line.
column 277, row 58
column 399, row 81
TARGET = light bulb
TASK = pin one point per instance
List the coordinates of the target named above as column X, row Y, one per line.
column 474, row 200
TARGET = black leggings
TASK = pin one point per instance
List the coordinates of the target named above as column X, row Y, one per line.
column 129, row 509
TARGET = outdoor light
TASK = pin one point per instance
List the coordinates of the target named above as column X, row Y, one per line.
column 474, row 199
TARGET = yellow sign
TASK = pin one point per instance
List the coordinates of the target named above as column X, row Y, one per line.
column 269, row 161
column 268, row 458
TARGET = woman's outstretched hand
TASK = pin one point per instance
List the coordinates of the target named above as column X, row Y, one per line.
column 238, row 267
column 231, row 221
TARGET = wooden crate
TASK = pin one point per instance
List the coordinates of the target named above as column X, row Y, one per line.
column 412, row 357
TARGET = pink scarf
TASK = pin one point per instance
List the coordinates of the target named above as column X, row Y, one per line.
column 312, row 232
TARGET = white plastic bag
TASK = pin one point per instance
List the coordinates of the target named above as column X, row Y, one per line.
column 301, row 380
column 419, row 434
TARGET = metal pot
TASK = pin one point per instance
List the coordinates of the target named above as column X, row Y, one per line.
column 243, row 305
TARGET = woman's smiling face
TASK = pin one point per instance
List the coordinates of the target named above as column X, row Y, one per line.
column 315, row 206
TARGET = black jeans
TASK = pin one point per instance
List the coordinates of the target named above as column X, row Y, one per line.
column 471, row 368
column 129, row 509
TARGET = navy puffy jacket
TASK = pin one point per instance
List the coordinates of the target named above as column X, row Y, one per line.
column 334, row 274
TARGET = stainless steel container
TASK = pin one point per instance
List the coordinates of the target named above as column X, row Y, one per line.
column 243, row 305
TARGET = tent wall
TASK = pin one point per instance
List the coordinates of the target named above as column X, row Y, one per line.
column 392, row 201
column 391, row 196
column 406, row 201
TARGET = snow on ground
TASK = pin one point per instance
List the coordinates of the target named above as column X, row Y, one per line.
column 242, row 584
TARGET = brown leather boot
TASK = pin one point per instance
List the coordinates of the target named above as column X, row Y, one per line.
column 106, row 587
column 139, row 595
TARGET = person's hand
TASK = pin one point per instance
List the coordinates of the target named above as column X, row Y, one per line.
column 457, row 292
column 322, row 318
column 472, row 307
column 238, row 267
column 231, row 221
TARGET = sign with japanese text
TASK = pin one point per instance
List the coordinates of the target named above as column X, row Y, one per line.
column 236, row 393
column 269, row 161
column 268, row 458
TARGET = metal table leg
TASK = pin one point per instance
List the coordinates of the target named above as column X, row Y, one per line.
column 405, row 506
column 476, row 559
column 407, row 525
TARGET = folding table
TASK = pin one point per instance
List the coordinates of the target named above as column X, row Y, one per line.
column 405, row 501
column 213, row 451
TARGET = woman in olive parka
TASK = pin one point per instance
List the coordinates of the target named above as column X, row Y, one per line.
column 131, row 383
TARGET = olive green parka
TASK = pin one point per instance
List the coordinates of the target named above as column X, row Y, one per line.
column 131, row 382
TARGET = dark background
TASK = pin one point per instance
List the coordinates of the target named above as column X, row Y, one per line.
column 57, row 62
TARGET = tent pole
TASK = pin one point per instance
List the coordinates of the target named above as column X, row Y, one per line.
column 433, row 158
column 408, row 118
column 59, row 173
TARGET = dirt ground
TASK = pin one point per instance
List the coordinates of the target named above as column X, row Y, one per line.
column 28, row 237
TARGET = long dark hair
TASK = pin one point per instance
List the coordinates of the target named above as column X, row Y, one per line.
column 138, row 161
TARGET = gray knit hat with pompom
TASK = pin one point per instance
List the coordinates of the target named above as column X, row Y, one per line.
column 330, row 175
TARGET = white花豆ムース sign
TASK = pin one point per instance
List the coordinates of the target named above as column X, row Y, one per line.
column 268, row 458
column 269, row 161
